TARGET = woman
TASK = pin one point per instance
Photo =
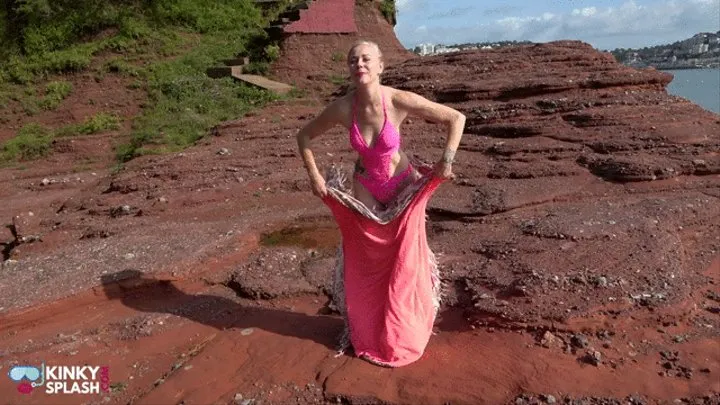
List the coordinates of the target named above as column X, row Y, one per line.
column 373, row 114
column 386, row 282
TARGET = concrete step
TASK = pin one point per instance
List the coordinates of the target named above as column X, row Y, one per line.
column 264, row 83
column 301, row 6
column 292, row 15
column 237, row 61
column 217, row 72
column 275, row 31
column 282, row 21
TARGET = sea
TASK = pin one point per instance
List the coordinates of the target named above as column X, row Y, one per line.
column 701, row 86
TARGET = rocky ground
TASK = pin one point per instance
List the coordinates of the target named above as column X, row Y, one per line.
column 578, row 247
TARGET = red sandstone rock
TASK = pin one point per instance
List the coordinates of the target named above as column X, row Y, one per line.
column 316, row 62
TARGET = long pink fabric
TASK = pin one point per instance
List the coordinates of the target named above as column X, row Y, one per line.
column 387, row 279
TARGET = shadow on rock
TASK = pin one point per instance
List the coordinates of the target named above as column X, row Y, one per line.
column 145, row 294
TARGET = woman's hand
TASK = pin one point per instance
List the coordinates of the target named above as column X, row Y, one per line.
column 443, row 170
column 318, row 186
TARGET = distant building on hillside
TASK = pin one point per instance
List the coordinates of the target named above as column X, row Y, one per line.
column 425, row 49
column 444, row 49
column 433, row 49
column 702, row 50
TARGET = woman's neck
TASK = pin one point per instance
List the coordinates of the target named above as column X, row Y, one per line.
column 369, row 94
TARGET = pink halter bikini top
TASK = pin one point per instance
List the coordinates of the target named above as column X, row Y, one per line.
column 376, row 157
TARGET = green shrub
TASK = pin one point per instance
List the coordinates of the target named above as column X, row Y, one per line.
column 30, row 105
column 388, row 10
column 32, row 141
column 338, row 80
column 49, row 37
column 41, row 37
column 58, row 89
column 41, row 26
column 296, row 93
column 24, row 70
column 55, row 93
column 15, row 71
column 257, row 68
column 119, row 65
column 99, row 122
column 135, row 85
column 272, row 52
column 184, row 108
column 207, row 17
column 134, row 28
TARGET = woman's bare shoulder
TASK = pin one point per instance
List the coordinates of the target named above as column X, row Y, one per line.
column 345, row 101
column 401, row 100
column 390, row 91
column 339, row 104
column 340, row 108
column 397, row 96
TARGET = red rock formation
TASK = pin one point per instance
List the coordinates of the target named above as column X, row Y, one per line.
column 565, row 153
column 317, row 61
column 325, row 17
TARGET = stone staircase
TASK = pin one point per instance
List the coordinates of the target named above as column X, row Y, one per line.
column 275, row 31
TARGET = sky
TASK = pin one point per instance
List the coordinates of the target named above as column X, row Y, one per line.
column 605, row 24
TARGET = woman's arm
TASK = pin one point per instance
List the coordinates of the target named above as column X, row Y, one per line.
column 414, row 104
column 327, row 119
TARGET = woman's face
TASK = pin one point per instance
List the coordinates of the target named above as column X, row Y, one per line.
column 365, row 64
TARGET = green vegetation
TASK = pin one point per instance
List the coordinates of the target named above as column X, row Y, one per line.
column 99, row 122
column 338, row 80
column 388, row 10
column 55, row 93
column 184, row 110
column 31, row 102
column 34, row 140
column 296, row 93
column 165, row 46
column 43, row 37
column 122, row 66
column 118, row 386
column 272, row 52
column 257, row 68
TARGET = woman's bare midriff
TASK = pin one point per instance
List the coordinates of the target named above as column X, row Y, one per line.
column 398, row 163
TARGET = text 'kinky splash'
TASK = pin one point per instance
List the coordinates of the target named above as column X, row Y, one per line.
column 62, row 379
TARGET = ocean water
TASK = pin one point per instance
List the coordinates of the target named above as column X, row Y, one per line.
column 701, row 86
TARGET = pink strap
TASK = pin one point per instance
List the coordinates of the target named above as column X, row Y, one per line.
column 354, row 112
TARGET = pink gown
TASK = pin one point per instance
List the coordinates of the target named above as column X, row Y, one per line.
column 390, row 280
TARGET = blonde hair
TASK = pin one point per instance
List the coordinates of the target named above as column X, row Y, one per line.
column 366, row 42
column 351, row 85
